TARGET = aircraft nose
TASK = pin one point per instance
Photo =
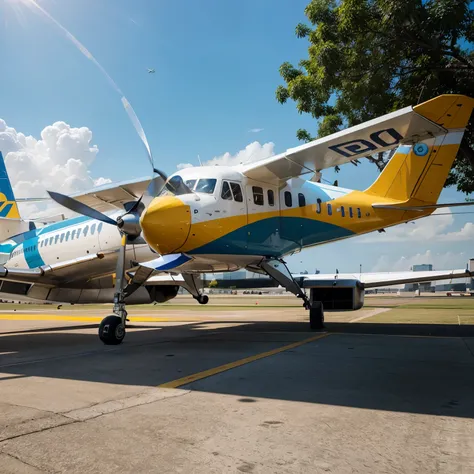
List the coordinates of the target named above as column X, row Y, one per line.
column 166, row 223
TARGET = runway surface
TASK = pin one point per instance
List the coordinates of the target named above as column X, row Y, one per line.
column 234, row 390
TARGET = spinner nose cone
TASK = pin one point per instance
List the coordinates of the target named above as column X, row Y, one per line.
column 166, row 223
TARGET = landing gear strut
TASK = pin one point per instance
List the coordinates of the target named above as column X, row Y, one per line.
column 112, row 328
column 278, row 270
column 192, row 283
column 316, row 316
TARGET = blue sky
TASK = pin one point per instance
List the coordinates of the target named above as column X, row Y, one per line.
column 216, row 68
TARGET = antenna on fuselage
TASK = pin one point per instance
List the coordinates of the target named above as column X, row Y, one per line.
column 199, row 159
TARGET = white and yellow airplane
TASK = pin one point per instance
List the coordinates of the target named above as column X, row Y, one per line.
column 215, row 219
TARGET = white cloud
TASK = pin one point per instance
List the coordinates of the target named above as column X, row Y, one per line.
column 466, row 233
column 255, row 130
column 432, row 228
column 58, row 161
column 252, row 152
column 440, row 261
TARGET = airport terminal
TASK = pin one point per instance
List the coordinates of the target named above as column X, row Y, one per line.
column 153, row 317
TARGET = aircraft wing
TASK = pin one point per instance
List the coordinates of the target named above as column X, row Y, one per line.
column 404, row 126
column 382, row 279
column 113, row 196
column 52, row 275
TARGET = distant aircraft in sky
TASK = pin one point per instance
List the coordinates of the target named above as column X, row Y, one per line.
column 151, row 71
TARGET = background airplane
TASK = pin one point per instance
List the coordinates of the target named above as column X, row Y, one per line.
column 214, row 219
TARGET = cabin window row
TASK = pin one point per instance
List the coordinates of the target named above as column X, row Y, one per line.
column 342, row 210
column 259, row 197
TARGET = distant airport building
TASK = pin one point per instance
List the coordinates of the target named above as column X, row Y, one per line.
column 424, row 267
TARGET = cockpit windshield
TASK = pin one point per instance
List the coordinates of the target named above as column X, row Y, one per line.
column 206, row 186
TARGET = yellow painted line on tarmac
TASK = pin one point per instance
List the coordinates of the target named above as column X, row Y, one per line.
column 91, row 319
column 238, row 363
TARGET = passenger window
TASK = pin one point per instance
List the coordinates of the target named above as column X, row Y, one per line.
column 51, row 240
column 92, row 229
column 257, row 195
column 318, row 206
column 226, row 194
column 99, row 227
column 271, row 197
column 301, row 200
column 56, row 239
column 359, row 214
column 205, row 186
column 190, row 183
column 288, row 199
column 351, row 214
column 237, row 192
column 86, row 230
column 343, row 212
column 73, row 234
column 329, row 210
column 67, row 235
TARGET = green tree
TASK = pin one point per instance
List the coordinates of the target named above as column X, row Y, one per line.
column 369, row 57
column 213, row 284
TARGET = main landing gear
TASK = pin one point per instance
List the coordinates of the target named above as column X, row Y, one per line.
column 192, row 283
column 278, row 270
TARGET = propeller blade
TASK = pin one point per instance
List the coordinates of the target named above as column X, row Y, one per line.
column 80, row 208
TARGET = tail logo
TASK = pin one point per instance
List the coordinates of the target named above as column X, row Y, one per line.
column 379, row 139
column 421, row 149
column 8, row 208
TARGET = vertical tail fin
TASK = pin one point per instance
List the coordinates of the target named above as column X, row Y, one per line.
column 8, row 205
column 419, row 171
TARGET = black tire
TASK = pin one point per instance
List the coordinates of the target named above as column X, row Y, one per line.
column 316, row 316
column 203, row 299
column 111, row 330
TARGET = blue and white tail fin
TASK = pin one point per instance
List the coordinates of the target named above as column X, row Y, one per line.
column 8, row 205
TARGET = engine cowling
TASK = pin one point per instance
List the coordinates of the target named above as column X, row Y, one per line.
column 162, row 293
column 337, row 294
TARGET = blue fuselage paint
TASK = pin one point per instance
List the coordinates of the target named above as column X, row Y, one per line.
column 273, row 237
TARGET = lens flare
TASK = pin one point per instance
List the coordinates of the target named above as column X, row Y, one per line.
column 33, row 5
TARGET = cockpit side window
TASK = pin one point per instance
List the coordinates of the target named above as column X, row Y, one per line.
column 190, row 183
column 226, row 193
column 206, row 186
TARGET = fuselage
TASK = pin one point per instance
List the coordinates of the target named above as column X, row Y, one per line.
column 231, row 215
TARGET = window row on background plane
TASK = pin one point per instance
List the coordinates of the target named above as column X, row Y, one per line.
column 59, row 238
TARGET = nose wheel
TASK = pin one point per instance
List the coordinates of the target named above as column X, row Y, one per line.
column 112, row 330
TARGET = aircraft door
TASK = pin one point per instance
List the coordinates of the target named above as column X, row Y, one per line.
column 291, row 226
column 232, row 211
column 263, row 219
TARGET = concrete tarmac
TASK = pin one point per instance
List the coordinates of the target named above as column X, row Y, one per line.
column 235, row 391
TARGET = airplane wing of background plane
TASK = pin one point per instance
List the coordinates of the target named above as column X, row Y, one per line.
column 113, row 196
column 378, row 135
column 383, row 279
column 70, row 270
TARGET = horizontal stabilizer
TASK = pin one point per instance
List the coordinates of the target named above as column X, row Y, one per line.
column 421, row 208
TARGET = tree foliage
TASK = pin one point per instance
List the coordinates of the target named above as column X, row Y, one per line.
column 369, row 57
